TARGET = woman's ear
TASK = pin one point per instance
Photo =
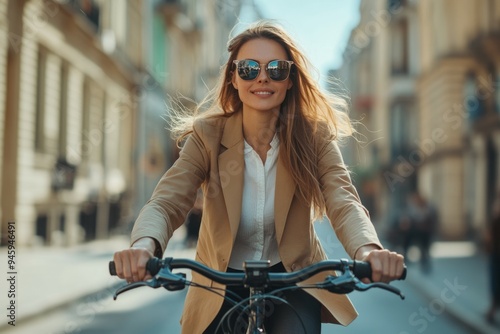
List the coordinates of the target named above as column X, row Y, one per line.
column 290, row 84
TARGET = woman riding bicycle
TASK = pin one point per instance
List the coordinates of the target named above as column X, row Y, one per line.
column 266, row 156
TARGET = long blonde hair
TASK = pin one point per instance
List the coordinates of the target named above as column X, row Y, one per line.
column 305, row 110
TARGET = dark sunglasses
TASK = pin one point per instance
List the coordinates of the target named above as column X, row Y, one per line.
column 277, row 70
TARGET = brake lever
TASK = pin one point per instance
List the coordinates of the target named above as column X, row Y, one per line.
column 347, row 282
column 170, row 281
column 342, row 284
column 360, row 286
column 151, row 283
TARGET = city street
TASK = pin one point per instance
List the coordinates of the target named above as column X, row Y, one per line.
column 117, row 116
column 158, row 311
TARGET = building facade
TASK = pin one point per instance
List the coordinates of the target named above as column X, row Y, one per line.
column 423, row 77
column 86, row 91
column 67, row 86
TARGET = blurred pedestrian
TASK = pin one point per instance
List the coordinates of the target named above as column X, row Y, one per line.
column 399, row 229
column 421, row 223
column 493, row 247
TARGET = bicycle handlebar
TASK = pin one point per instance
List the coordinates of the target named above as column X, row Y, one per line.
column 358, row 268
column 257, row 276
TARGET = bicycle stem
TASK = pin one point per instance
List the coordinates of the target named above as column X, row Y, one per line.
column 257, row 312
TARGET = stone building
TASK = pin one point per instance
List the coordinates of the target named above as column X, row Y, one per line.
column 85, row 93
column 68, row 78
column 423, row 77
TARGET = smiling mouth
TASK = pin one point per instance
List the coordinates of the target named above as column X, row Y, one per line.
column 263, row 93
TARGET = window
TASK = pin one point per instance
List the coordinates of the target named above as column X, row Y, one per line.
column 63, row 111
column 89, row 10
column 102, row 128
column 394, row 5
column 496, row 87
column 399, row 48
column 85, row 145
column 404, row 129
column 474, row 105
column 158, row 54
column 40, row 145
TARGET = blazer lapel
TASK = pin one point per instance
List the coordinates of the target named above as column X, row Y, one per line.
column 285, row 189
column 231, row 169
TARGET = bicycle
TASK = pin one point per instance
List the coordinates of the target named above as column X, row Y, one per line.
column 257, row 278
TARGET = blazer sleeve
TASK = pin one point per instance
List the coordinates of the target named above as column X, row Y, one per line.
column 348, row 216
column 175, row 193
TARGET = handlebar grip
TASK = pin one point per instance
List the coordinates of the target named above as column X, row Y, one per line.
column 403, row 275
column 153, row 266
column 364, row 270
column 112, row 268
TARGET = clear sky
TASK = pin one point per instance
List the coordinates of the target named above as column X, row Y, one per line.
column 321, row 27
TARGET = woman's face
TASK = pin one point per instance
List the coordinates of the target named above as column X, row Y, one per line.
column 261, row 94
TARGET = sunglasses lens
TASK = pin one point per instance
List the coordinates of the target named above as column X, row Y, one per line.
column 278, row 70
column 248, row 69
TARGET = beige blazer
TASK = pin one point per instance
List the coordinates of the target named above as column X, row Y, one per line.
column 212, row 158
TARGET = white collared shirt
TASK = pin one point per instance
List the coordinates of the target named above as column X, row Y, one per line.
column 256, row 236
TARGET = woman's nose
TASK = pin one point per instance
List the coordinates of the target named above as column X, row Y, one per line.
column 262, row 74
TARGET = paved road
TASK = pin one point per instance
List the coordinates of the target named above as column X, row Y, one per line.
column 157, row 311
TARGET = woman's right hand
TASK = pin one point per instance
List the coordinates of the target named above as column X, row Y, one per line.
column 131, row 263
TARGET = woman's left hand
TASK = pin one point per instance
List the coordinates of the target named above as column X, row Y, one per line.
column 386, row 265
